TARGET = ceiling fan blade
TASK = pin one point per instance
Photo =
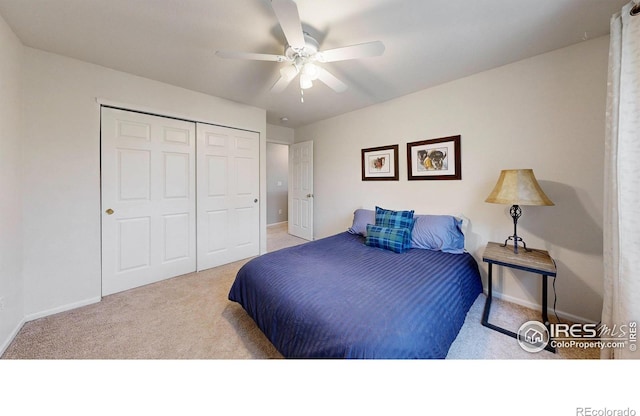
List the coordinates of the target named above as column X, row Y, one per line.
column 280, row 85
column 362, row 50
column 331, row 81
column 287, row 13
column 251, row 56
column 287, row 74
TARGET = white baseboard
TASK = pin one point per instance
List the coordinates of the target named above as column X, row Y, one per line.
column 532, row 305
column 11, row 337
column 62, row 308
column 275, row 224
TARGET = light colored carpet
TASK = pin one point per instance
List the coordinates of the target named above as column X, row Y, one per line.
column 190, row 317
column 478, row 342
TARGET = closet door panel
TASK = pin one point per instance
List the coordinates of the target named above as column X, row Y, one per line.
column 177, row 196
column 148, row 199
column 228, row 191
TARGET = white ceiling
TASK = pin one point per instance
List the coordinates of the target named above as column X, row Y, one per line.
column 428, row 42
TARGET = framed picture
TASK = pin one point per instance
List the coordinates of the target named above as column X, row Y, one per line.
column 434, row 159
column 380, row 163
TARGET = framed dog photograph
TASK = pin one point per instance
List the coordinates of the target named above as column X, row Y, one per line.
column 380, row 163
column 434, row 159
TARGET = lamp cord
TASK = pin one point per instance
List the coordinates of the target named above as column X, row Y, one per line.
column 555, row 299
column 555, row 294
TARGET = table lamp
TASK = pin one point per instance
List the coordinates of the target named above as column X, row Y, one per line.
column 517, row 187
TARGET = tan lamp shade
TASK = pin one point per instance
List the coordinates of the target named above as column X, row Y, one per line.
column 518, row 187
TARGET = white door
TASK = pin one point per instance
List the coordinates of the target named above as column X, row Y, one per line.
column 228, row 191
column 148, row 199
column 301, row 190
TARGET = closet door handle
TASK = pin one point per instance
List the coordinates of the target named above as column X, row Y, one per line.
column 109, row 211
column 255, row 200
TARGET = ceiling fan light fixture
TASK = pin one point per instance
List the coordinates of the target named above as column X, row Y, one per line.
column 310, row 70
column 305, row 81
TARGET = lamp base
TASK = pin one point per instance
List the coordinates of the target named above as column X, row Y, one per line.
column 516, row 212
column 516, row 240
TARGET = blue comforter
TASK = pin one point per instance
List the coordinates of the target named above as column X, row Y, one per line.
column 338, row 298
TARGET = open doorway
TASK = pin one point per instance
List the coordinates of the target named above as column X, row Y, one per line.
column 278, row 198
column 289, row 177
column 277, row 184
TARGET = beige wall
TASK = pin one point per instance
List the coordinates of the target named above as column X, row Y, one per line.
column 11, row 291
column 546, row 113
column 279, row 134
column 62, row 168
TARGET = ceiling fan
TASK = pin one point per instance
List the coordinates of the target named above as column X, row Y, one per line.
column 302, row 52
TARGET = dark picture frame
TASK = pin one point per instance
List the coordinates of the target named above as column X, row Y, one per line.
column 435, row 159
column 380, row 163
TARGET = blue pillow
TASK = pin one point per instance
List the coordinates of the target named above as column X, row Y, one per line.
column 438, row 232
column 394, row 239
column 394, row 219
column 362, row 217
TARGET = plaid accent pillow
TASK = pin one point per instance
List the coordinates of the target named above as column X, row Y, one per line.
column 394, row 219
column 394, row 239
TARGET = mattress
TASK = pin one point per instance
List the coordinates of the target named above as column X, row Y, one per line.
column 338, row 298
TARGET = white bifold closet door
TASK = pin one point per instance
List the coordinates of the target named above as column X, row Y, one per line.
column 156, row 223
column 228, row 191
column 148, row 199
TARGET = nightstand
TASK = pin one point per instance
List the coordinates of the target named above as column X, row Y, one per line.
column 534, row 261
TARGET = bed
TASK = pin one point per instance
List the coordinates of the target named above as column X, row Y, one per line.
column 337, row 297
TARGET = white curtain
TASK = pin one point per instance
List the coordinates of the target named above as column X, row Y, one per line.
column 622, row 181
